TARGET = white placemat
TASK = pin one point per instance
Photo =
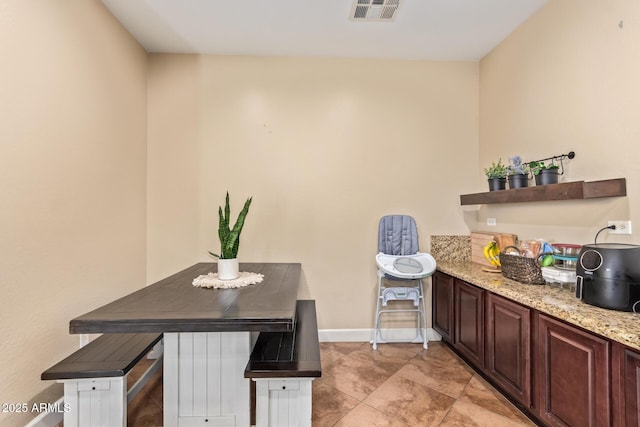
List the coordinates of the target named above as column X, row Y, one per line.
column 211, row 281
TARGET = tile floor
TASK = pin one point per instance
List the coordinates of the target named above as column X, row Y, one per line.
column 397, row 385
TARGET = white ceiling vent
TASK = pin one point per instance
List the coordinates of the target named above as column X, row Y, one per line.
column 374, row 10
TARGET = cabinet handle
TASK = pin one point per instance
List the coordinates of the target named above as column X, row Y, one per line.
column 579, row 287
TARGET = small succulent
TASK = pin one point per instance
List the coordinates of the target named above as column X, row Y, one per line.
column 496, row 170
column 517, row 167
column 230, row 237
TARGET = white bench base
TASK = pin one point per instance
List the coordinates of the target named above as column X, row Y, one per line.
column 100, row 402
column 95, row 402
column 283, row 402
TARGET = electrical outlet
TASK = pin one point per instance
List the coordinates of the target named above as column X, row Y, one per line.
column 622, row 227
column 491, row 222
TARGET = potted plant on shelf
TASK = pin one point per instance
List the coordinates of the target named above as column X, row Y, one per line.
column 517, row 173
column 229, row 240
column 496, row 175
column 543, row 173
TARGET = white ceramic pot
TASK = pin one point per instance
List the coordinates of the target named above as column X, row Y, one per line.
column 228, row 269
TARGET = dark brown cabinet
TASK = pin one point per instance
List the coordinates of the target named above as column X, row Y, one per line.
column 508, row 346
column 572, row 375
column 626, row 386
column 561, row 374
column 468, row 336
column 442, row 285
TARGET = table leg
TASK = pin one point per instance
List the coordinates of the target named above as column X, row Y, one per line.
column 204, row 379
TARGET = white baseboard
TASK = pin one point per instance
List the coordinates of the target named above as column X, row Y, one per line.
column 366, row 335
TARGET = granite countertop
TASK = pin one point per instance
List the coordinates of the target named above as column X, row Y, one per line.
column 619, row 326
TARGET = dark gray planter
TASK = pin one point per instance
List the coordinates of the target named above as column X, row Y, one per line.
column 519, row 180
column 496, row 184
column 547, row 176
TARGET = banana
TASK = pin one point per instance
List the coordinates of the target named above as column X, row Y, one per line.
column 488, row 253
column 491, row 252
column 496, row 255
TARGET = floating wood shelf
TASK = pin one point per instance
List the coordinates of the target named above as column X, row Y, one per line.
column 576, row 190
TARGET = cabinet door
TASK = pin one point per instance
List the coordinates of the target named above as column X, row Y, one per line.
column 508, row 346
column 572, row 375
column 469, row 322
column 626, row 382
column 442, row 285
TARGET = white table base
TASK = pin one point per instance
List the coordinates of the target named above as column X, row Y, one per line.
column 204, row 382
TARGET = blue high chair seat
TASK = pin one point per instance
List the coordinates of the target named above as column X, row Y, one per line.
column 399, row 259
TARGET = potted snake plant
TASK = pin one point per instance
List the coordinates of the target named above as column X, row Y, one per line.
column 229, row 240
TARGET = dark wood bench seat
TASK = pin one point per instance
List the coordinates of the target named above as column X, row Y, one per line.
column 95, row 378
column 283, row 365
column 288, row 354
column 110, row 355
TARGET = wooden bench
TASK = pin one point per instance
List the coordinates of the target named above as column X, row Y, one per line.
column 283, row 365
column 95, row 378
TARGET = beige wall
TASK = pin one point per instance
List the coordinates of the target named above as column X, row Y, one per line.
column 325, row 147
column 567, row 79
column 72, row 162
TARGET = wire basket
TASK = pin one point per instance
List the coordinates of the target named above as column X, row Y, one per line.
column 521, row 269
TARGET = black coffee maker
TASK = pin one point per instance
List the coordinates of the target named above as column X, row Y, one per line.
column 608, row 276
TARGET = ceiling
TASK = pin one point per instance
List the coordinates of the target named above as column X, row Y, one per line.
column 449, row 30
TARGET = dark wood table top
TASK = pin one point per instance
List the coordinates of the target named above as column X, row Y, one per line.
column 175, row 305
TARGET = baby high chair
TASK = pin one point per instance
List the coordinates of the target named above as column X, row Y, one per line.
column 399, row 260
